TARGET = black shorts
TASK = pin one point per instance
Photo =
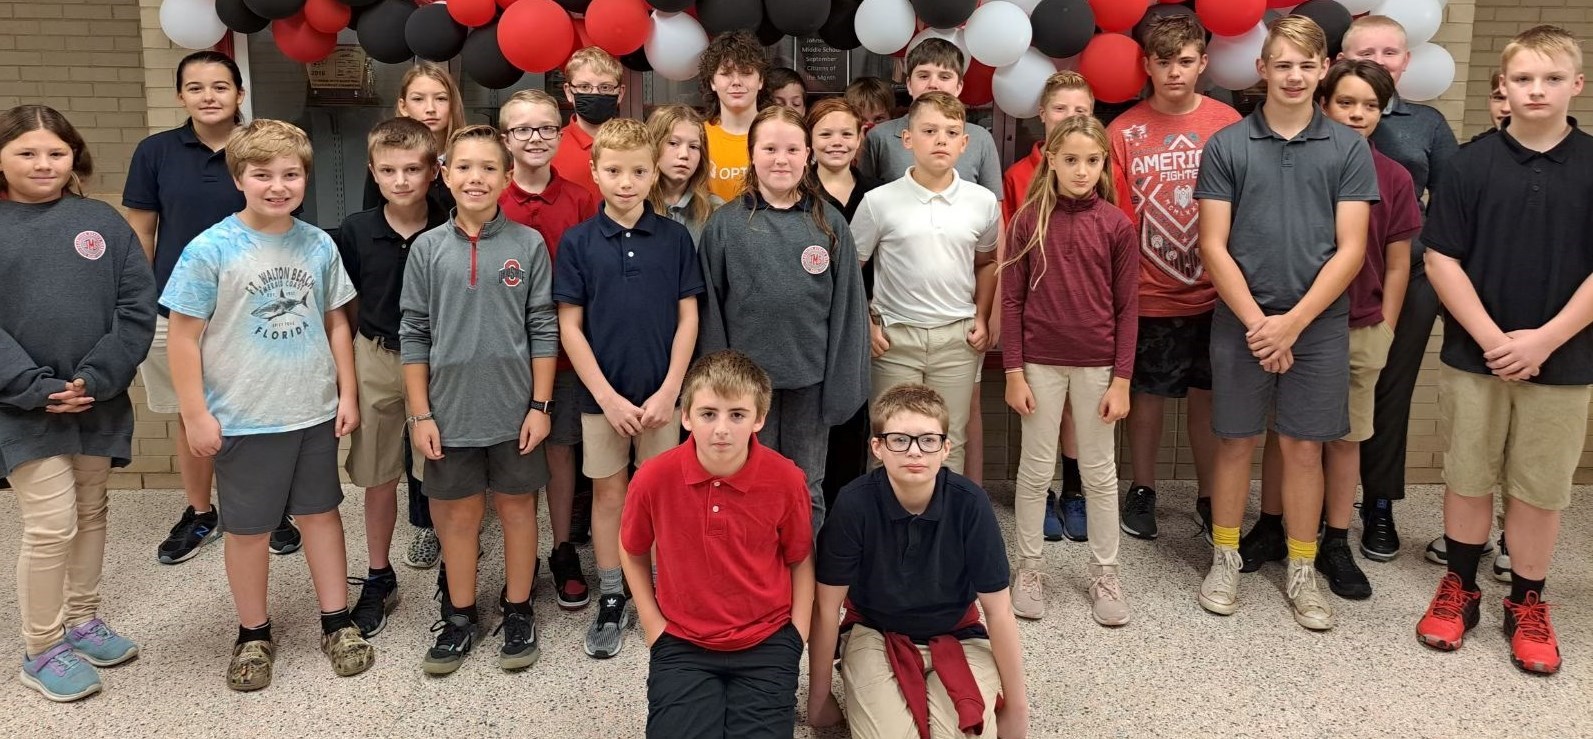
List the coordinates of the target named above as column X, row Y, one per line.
column 501, row 468
column 1173, row 355
column 1310, row 402
column 260, row 477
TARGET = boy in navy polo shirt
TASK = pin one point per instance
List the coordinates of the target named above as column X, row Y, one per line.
column 731, row 524
column 626, row 282
column 913, row 545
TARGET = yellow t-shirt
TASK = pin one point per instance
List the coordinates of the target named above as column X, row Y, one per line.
column 727, row 162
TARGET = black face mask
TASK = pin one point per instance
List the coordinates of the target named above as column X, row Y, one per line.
column 595, row 108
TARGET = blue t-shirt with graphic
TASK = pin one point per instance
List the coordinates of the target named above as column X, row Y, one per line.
column 267, row 363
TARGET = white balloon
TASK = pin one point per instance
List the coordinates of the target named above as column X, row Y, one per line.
column 674, row 45
column 998, row 33
column 1421, row 18
column 1017, row 87
column 954, row 35
column 884, row 26
column 1431, row 72
column 192, row 24
column 1357, row 7
column 1232, row 59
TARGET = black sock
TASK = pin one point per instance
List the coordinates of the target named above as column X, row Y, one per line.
column 1269, row 520
column 1071, row 482
column 468, row 611
column 1332, row 534
column 1463, row 559
column 258, row 633
column 1520, row 586
column 522, row 607
column 331, row 621
column 385, row 573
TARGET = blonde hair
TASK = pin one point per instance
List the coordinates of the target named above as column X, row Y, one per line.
column 438, row 73
column 1300, row 32
column 1369, row 22
column 262, row 141
column 623, row 134
column 947, row 105
column 661, row 124
column 1066, row 79
column 598, row 60
column 1042, row 197
column 728, row 374
column 483, row 132
column 526, row 97
column 909, row 398
column 404, row 134
column 1549, row 41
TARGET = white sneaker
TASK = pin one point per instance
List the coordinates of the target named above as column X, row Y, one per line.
column 1501, row 563
column 1220, row 591
column 1110, row 608
column 1310, row 609
column 1028, row 601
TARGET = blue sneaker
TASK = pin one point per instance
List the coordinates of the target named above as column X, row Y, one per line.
column 102, row 647
column 60, row 675
column 1053, row 519
column 1073, row 521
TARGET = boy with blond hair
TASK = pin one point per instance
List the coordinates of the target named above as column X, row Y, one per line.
column 255, row 299
column 594, row 83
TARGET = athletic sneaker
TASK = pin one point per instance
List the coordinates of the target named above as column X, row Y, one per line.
column 285, row 539
column 193, row 530
column 60, row 676
column 1028, row 600
column 521, row 648
column 1264, row 543
column 1379, row 538
column 349, row 653
column 424, row 551
column 1075, row 523
column 1219, row 592
column 1453, row 612
column 1532, row 644
column 100, row 645
column 1344, row 577
column 378, row 598
column 568, row 579
column 607, row 633
column 456, row 634
column 1107, row 603
column 1310, row 608
column 250, row 668
column 1053, row 519
column 1438, row 551
column 1203, row 512
column 1139, row 513
column 1501, row 563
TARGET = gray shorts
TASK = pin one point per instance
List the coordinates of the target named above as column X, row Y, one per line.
column 260, row 477
column 1310, row 402
column 566, row 420
column 501, row 468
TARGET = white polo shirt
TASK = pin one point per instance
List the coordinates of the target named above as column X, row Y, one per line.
column 922, row 244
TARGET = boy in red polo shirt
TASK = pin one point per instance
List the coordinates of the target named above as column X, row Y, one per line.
column 594, row 84
column 731, row 524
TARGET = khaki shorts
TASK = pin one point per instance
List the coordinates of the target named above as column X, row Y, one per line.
column 376, row 448
column 1368, row 354
column 605, row 452
column 1519, row 436
column 156, row 373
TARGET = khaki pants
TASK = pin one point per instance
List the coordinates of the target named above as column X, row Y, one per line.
column 1052, row 388
column 875, row 708
column 63, row 504
column 940, row 358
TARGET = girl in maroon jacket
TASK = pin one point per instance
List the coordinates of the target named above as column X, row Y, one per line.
column 1071, row 307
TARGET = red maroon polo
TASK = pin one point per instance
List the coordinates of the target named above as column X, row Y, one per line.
column 559, row 206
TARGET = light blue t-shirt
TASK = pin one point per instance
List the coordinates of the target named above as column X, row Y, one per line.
column 267, row 363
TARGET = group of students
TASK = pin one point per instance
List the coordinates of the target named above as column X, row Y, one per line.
column 755, row 278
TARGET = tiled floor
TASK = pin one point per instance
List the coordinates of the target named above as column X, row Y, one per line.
column 1175, row 671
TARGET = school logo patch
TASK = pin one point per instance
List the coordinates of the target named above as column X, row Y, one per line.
column 815, row 259
column 89, row 245
column 511, row 275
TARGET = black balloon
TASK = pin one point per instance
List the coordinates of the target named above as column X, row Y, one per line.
column 359, row 3
column 239, row 18
column 797, row 17
column 274, row 9
column 944, row 13
column 637, row 60
column 720, row 16
column 1331, row 16
column 1062, row 28
column 669, row 6
column 433, row 34
column 1157, row 12
column 483, row 61
column 840, row 30
column 381, row 31
column 574, row 6
column 767, row 34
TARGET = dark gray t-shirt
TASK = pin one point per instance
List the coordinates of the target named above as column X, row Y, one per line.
column 1285, row 193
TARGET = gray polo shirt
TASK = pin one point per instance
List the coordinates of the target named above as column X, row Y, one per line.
column 1285, row 193
column 885, row 159
column 1420, row 139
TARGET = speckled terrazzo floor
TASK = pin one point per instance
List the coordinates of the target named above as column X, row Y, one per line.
column 1175, row 671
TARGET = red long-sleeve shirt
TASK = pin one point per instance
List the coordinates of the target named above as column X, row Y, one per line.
column 1073, row 300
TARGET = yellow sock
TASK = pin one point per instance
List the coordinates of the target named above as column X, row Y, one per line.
column 1225, row 537
column 1305, row 550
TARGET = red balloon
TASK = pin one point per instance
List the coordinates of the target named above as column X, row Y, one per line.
column 1117, row 16
column 1112, row 65
column 1230, row 17
column 472, row 13
column 327, row 16
column 976, row 85
column 536, row 35
column 619, row 27
column 300, row 42
column 1276, row 3
column 505, row 4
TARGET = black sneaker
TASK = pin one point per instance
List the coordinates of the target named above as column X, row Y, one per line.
column 1203, row 512
column 1337, row 565
column 193, row 530
column 378, row 597
column 568, row 580
column 581, row 517
column 1265, row 543
column 1139, row 513
column 285, row 539
column 456, row 634
column 1379, row 538
column 521, row 648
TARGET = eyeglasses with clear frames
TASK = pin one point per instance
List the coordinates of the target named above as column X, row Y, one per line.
column 588, row 89
column 927, row 443
column 524, row 133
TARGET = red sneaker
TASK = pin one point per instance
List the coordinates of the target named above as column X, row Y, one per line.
column 1532, row 644
column 1452, row 613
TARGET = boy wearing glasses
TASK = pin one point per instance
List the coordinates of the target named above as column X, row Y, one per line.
column 908, row 549
column 594, row 84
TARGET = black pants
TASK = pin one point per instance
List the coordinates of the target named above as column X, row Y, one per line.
column 848, row 459
column 697, row 693
column 419, row 508
column 1383, row 455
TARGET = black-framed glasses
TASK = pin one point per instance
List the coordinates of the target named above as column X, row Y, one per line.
column 523, row 133
column 588, row 89
column 927, row 443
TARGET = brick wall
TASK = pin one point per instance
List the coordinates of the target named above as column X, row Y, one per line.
column 1498, row 20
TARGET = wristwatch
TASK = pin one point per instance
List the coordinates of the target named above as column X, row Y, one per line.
column 546, row 406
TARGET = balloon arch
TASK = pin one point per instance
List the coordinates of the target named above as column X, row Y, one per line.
column 1012, row 46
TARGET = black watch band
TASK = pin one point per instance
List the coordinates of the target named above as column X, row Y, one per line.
column 546, row 406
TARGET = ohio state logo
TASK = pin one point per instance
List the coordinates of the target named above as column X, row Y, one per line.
column 815, row 259
column 511, row 274
column 89, row 245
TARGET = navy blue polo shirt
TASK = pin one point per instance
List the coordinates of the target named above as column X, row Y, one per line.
column 907, row 574
column 630, row 282
column 186, row 184
column 374, row 256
